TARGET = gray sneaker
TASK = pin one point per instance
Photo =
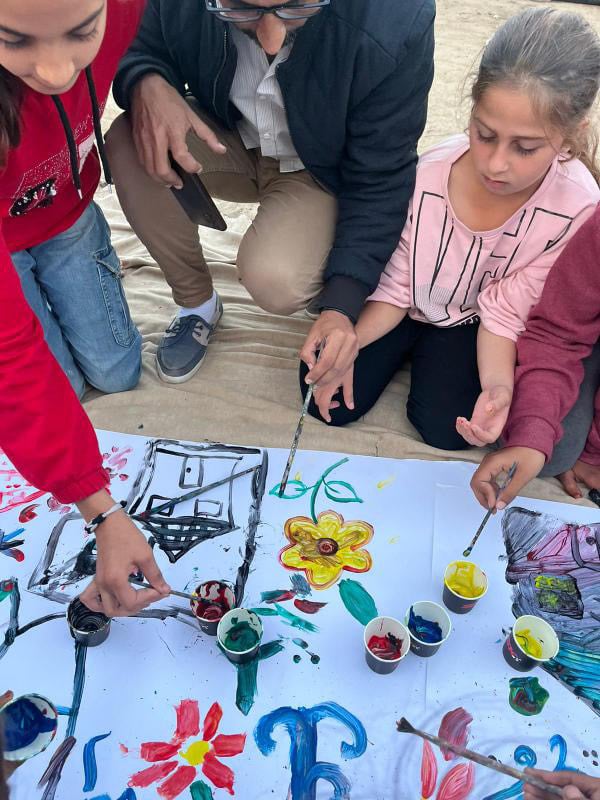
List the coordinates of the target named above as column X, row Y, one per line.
column 183, row 347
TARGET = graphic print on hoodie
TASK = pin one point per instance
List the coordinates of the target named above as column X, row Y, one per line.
column 51, row 177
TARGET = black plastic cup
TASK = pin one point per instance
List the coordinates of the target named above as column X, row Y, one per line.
column 382, row 626
column 517, row 657
column 229, row 621
column 87, row 627
column 215, row 599
column 434, row 613
column 453, row 600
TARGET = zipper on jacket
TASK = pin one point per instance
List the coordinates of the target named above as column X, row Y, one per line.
column 219, row 73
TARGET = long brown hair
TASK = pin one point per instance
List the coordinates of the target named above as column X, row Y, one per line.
column 10, row 123
column 555, row 56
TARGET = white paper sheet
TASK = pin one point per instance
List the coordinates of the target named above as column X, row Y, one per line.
column 423, row 515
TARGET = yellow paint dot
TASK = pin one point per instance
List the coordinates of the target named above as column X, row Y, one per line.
column 386, row 482
column 195, row 753
column 298, row 476
column 393, row 540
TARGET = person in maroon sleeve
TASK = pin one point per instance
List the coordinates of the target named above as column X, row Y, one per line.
column 51, row 56
column 556, row 353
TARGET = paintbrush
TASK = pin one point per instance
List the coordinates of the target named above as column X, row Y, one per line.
column 500, row 487
column 294, row 447
column 174, row 592
column 191, row 495
column 404, row 726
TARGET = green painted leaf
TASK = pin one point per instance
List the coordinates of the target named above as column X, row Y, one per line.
column 201, row 791
column 293, row 490
column 341, row 492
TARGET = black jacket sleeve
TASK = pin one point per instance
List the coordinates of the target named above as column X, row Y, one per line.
column 149, row 53
column 378, row 174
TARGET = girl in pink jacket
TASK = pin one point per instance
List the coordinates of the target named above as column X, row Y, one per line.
column 490, row 214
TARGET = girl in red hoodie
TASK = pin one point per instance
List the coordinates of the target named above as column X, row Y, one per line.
column 57, row 61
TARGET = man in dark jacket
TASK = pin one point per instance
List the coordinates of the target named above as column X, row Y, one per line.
column 313, row 109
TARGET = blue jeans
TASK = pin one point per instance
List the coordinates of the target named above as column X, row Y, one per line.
column 73, row 284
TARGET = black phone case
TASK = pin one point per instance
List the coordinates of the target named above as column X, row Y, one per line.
column 196, row 201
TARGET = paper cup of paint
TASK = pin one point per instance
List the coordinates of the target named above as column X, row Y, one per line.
column 387, row 641
column 532, row 641
column 213, row 599
column 429, row 626
column 239, row 633
column 464, row 585
column 30, row 724
column 87, row 627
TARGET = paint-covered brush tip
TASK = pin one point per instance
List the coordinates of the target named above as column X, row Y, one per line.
column 467, row 552
column 404, row 726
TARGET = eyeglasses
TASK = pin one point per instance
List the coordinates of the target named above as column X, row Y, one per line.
column 244, row 13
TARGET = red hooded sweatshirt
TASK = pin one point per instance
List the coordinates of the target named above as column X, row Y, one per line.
column 43, row 427
column 561, row 331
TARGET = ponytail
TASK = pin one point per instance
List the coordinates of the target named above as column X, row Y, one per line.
column 10, row 101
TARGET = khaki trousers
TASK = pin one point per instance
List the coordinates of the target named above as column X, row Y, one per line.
column 281, row 257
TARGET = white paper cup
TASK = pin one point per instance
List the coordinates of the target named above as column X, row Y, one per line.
column 234, row 618
column 30, row 724
column 433, row 612
column 517, row 656
column 382, row 626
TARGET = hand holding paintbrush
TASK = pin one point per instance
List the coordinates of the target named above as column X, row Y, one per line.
column 500, row 482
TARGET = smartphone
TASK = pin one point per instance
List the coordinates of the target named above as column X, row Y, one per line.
column 196, row 201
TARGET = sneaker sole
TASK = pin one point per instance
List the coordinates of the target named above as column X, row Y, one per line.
column 183, row 378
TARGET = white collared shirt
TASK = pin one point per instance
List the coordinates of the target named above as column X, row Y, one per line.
column 256, row 93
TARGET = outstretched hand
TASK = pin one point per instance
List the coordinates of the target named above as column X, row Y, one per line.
column 588, row 474
column 323, row 395
column 575, row 785
column 483, row 483
column 489, row 417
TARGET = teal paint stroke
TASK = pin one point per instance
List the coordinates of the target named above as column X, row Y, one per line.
column 357, row 601
column 247, row 676
column 295, row 621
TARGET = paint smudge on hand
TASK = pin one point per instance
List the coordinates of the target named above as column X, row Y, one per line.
column 358, row 601
column 527, row 696
column 529, row 644
column 425, row 630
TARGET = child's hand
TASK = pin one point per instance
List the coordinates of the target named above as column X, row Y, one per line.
column 588, row 474
column 575, row 786
column 529, row 463
column 489, row 417
column 323, row 396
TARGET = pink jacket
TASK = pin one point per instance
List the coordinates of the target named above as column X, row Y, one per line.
column 447, row 274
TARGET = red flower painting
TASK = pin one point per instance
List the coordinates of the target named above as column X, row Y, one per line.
column 458, row 782
column 203, row 753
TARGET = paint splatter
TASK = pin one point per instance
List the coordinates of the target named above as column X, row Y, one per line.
column 90, row 768
column 276, row 596
column 526, row 696
column 295, row 621
column 297, row 659
column 423, row 629
column 308, row 606
column 386, row 482
column 357, row 601
column 300, row 585
column 28, row 513
column 123, row 748
column 314, row 658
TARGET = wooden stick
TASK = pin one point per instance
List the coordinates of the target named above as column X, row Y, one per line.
column 404, row 726
column 191, row 495
column 174, row 592
column 500, row 487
